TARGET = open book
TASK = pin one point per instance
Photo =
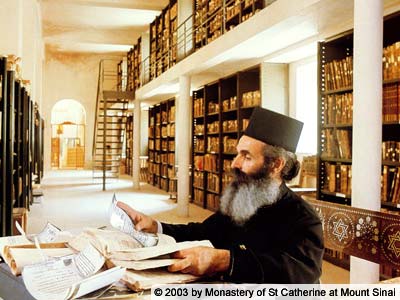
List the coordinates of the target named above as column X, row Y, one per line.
column 145, row 265
column 69, row 277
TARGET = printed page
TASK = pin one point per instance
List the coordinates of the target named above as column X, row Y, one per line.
column 61, row 278
column 89, row 261
column 151, row 252
column 120, row 220
column 48, row 234
column 51, row 279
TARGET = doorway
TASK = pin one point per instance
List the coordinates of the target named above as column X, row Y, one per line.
column 68, row 122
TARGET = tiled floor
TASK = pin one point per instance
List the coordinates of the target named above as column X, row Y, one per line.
column 72, row 199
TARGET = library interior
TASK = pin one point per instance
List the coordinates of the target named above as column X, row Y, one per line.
column 146, row 102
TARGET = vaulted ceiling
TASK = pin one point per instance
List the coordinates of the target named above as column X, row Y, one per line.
column 96, row 26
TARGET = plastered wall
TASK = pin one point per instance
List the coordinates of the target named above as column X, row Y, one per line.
column 71, row 76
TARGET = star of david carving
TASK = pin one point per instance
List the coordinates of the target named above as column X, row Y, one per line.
column 340, row 230
column 392, row 243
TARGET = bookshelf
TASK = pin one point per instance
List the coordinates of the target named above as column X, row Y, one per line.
column 162, row 146
column 215, row 17
column 129, row 145
column 134, row 66
column 163, row 40
column 335, row 124
column 18, row 155
column 220, row 114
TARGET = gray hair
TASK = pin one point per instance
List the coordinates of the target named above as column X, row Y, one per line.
column 292, row 165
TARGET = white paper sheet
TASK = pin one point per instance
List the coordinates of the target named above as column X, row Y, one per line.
column 69, row 276
column 120, row 220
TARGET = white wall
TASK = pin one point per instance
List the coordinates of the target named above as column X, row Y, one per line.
column 70, row 76
column 303, row 97
column 274, row 87
column 21, row 35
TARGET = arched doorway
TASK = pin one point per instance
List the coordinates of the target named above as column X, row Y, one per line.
column 68, row 121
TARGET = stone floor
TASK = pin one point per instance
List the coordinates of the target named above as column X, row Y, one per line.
column 73, row 199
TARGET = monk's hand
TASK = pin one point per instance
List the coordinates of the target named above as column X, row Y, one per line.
column 142, row 222
column 201, row 261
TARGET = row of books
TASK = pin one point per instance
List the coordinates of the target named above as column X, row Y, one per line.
column 213, row 107
column 199, row 145
column 338, row 178
column 212, row 144
column 337, row 143
column 391, row 67
column 167, row 171
column 198, row 107
column 212, row 201
column 213, row 182
column 198, row 196
column 213, row 127
column 391, row 151
column 339, row 74
column 172, row 185
column 198, row 179
column 164, row 184
column 199, row 129
column 338, row 109
column 229, row 144
column 390, row 184
column 391, row 103
column 211, row 163
column 252, row 98
column 208, row 162
column 230, row 103
column 230, row 125
column 227, row 165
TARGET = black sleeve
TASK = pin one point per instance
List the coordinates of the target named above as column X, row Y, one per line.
column 191, row 231
column 299, row 263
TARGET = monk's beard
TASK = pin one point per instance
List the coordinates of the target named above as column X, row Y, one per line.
column 247, row 193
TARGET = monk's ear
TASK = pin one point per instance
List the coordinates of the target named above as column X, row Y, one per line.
column 279, row 164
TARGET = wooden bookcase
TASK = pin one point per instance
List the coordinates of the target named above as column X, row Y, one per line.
column 129, row 145
column 215, row 17
column 163, row 40
column 335, row 124
column 18, row 138
column 220, row 114
column 134, row 66
column 162, row 146
column 119, row 76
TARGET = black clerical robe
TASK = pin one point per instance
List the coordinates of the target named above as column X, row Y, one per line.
column 281, row 243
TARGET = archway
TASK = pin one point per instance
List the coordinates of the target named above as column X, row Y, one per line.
column 68, row 121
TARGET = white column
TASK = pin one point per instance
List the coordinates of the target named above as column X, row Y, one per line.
column 136, row 145
column 367, row 120
column 183, row 144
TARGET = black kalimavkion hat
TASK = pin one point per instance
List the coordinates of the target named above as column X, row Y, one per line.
column 274, row 129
